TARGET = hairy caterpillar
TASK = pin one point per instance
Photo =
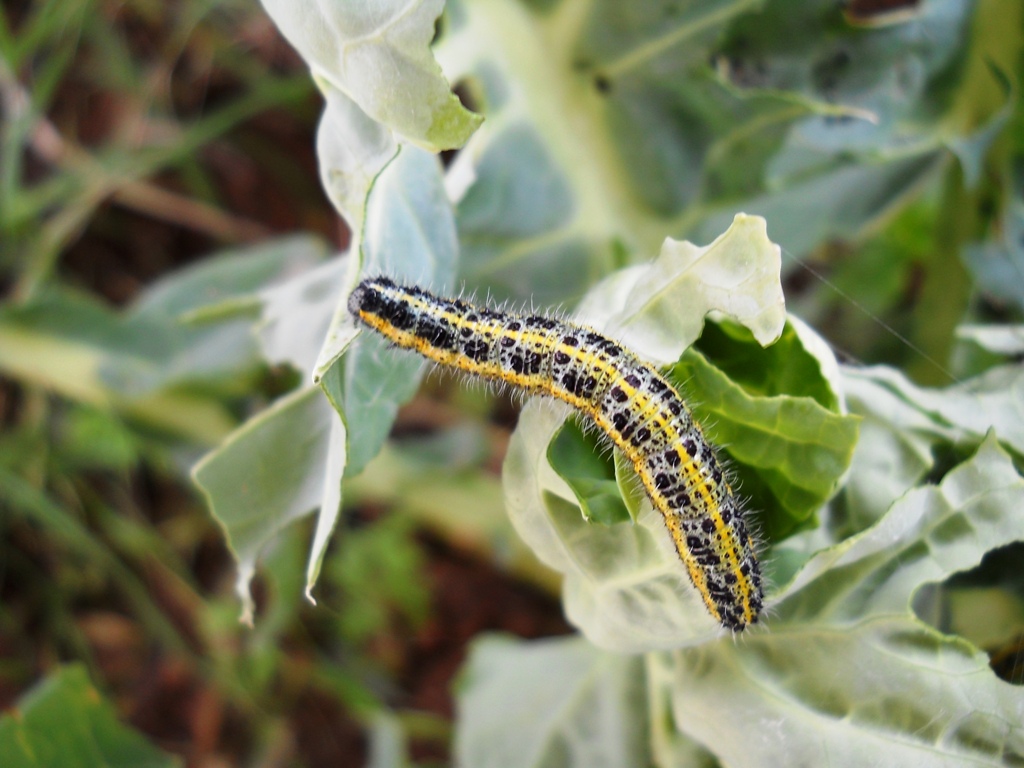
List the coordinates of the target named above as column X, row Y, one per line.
column 625, row 397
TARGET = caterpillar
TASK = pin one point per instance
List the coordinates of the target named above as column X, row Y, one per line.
column 625, row 397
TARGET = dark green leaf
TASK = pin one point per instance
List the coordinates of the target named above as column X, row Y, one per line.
column 66, row 723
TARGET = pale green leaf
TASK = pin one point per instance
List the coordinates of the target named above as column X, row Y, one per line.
column 196, row 323
column 993, row 400
column 148, row 362
column 665, row 113
column 1005, row 340
column 62, row 339
column 926, row 536
column 74, row 346
column 330, row 502
column 378, row 55
column 229, row 277
column 658, row 309
column 270, row 472
column 882, row 692
column 997, row 266
column 409, row 235
column 893, row 454
column 387, row 742
column 295, row 316
column 537, row 254
column 671, row 747
column 352, row 149
column 556, row 702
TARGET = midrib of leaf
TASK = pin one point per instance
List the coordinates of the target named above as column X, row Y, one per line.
column 584, row 690
column 379, row 34
column 751, row 128
column 526, row 246
column 561, row 107
column 657, row 296
column 641, row 575
column 673, row 37
column 789, row 437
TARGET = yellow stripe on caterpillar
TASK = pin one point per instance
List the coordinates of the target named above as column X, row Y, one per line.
column 625, row 397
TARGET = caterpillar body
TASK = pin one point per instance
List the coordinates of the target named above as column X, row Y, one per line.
column 625, row 397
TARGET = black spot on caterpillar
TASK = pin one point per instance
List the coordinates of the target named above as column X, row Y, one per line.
column 625, row 397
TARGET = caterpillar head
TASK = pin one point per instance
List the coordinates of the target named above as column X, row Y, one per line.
column 369, row 296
